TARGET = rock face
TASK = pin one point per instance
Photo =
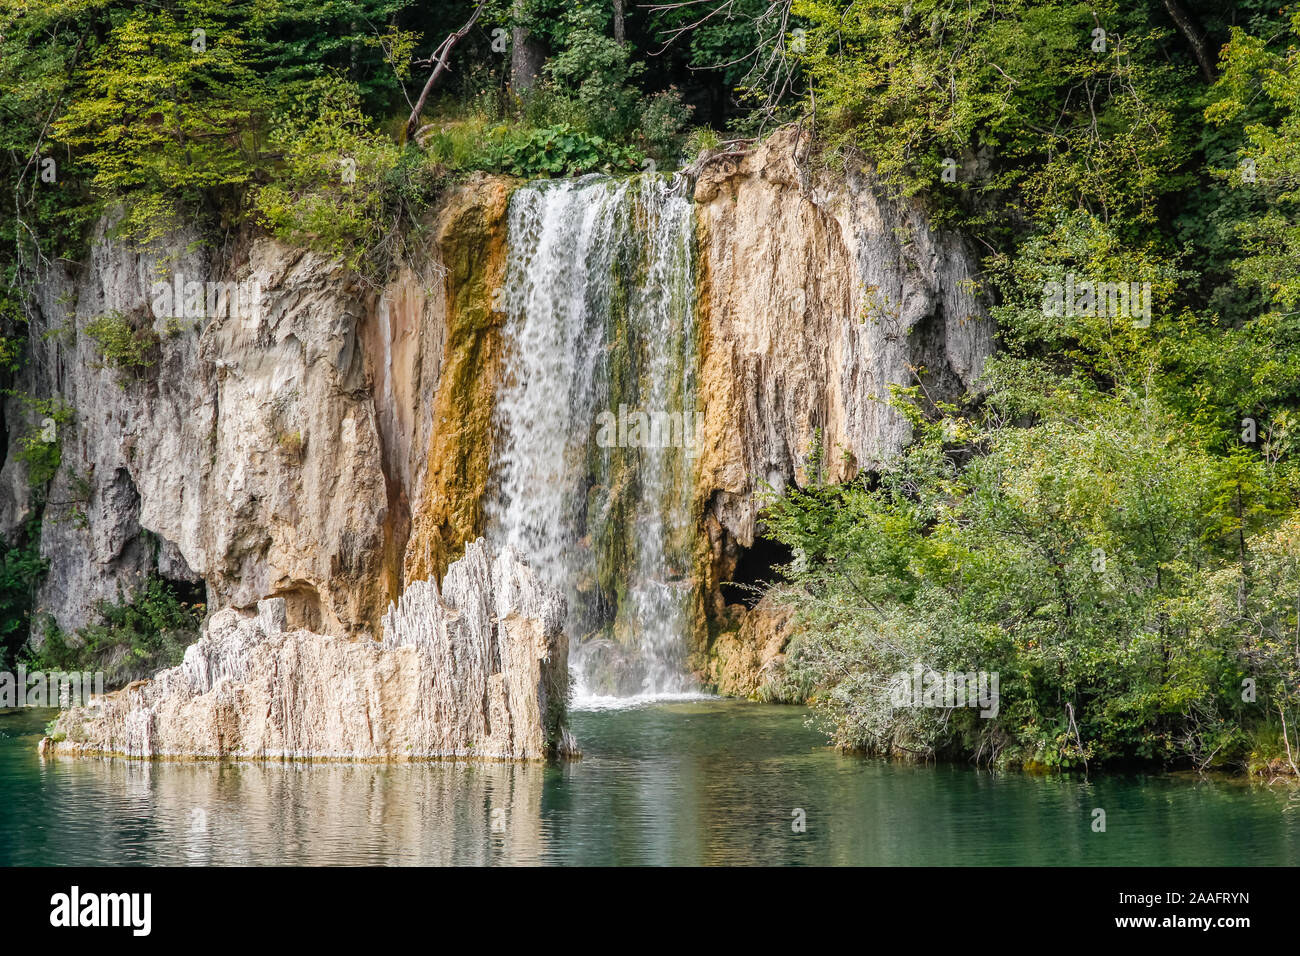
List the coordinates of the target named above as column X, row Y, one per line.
column 478, row 670
column 817, row 293
column 287, row 455
column 746, row 661
column 246, row 455
column 335, row 448
column 449, row 469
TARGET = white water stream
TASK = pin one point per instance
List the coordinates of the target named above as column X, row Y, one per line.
column 594, row 430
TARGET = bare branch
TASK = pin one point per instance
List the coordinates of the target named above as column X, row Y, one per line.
column 440, row 58
column 770, row 74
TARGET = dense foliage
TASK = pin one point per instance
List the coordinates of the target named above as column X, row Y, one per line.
column 291, row 114
column 1111, row 524
column 20, row 568
column 131, row 640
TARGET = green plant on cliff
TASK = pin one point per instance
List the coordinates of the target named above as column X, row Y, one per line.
column 161, row 109
column 21, row 566
column 124, row 346
column 38, row 444
column 1058, row 113
column 597, row 77
column 609, row 91
column 561, row 150
column 345, row 189
column 131, row 640
column 166, row 115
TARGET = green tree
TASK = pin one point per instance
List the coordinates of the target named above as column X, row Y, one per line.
column 166, row 119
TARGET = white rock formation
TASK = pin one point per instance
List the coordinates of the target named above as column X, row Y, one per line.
column 338, row 446
column 480, row 670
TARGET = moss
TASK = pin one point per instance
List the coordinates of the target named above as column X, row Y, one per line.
column 290, row 444
column 471, row 238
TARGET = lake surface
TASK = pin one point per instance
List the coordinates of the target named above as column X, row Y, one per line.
column 689, row 782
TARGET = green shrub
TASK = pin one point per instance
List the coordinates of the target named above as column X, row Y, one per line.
column 39, row 446
column 558, row 151
column 595, row 82
column 457, row 144
column 700, row 140
column 344, row 189
column 163, row 130
column 662, row 125
column 21, row 566
column 132, row 640
column 123, row 346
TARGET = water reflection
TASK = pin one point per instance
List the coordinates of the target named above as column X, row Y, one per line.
column 704, row 782
column 134, row 812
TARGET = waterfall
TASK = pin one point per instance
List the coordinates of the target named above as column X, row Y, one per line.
column 595, row 421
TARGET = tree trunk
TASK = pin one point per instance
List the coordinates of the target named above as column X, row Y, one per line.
column 440, row 59
column 1195, row 36
column 527, row 54
column 527, row 57
column 620, row 31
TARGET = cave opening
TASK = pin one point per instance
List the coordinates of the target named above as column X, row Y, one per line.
column 187, row 591
column 757, row 567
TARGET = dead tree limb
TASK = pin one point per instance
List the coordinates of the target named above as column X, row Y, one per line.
column 439, row 58
column 1287, row 740
column 1069, row 709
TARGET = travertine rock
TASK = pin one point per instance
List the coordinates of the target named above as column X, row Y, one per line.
column 480, row 670
column 745, row 662
column 458, row 373
column 338, row 448
column 248, row 451
column 817, row 293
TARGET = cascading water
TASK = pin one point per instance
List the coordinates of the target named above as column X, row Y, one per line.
column 595, row 421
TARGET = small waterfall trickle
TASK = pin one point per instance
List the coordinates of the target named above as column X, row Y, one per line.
column 595, row 422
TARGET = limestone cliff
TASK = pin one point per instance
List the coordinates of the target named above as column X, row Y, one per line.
column 461, row 366
column 287, row 454
column 745, row 660
column 817, row 293
column 478, row 668
column 245, row 454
